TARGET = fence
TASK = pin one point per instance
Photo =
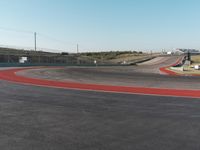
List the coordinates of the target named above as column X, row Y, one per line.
column 12, row 60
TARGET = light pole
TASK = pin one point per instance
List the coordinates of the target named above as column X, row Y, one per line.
column 35, row 39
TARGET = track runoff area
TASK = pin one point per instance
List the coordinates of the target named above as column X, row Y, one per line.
column 38, row 113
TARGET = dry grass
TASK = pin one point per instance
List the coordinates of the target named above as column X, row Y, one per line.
column 132, row 58
column 187, row 71
column 128, row 58
column 196, row 59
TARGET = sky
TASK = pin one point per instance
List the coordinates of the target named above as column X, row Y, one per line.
column 101, row 25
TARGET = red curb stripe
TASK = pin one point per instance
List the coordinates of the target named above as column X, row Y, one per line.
column 169, row 72
column 10, row 75
column 172, row 73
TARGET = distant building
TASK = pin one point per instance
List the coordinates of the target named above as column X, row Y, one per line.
column 169, row 53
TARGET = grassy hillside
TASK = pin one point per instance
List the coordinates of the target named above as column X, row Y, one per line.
column 118, row 57
column 112, row 57
column 109, row 55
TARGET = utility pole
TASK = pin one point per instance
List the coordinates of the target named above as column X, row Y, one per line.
column 35, row 38
column 77, row 55
column 77, row 48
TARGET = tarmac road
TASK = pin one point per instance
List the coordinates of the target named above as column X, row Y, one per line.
column 39, row 118
column 126, row 76
column 144, row 75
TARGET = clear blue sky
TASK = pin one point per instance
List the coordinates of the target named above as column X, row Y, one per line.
column 102, row 24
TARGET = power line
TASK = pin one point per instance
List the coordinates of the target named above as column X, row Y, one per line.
column 16, row 47
column 40, row 35
column 30, row 48
column 16, row 30
column 55, row 39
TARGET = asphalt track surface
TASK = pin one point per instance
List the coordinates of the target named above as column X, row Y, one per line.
column 124, row 76
column 146, row 77
column 39, row 118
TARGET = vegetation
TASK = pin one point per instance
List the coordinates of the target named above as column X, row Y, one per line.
column 110, row 55
column 196, row 59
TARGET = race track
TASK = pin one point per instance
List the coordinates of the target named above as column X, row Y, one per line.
column 41, row 118
column 38, row 118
